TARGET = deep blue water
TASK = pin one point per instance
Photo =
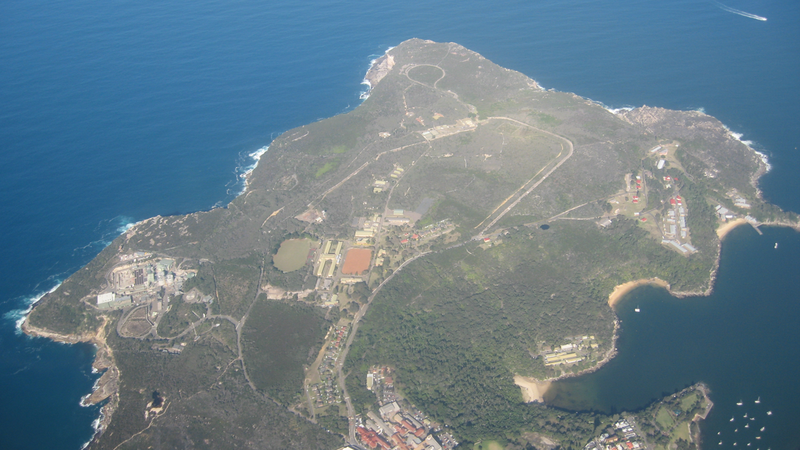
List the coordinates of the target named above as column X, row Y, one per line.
column 117, row 111
column 740, row 341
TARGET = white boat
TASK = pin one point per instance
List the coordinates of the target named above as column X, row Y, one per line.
column 776, row 245
column 745, row 415
column 637, row 309
column 769, row 413
column 758, row 400
column 762, row 429
column 731, row 419
column 739, row 403
column 747, row 426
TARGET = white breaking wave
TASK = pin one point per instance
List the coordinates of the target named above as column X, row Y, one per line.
column 739, row 12
column 96, row 424
column 19, row 315
column 365, row 93
column 243, row 172
column 123, row 223
column 616, row 111
column 749, row 144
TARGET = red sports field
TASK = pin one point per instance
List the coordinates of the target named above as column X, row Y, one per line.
column 356, row 261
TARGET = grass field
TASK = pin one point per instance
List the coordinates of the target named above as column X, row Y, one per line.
column 664, row 419
column 488, row 445
column 356, row 261
column 688, row 402
column 293, row 254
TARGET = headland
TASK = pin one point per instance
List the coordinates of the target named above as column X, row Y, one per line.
column 461, row 226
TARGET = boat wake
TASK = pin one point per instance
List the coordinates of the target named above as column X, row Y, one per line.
column 739, row 12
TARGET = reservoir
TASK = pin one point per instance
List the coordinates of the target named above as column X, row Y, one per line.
column 742, row 341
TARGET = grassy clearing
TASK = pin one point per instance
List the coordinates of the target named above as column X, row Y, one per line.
column 330, row 165
column 292, row 254
column 664, row 419
column 488, row 445
column 688, row 402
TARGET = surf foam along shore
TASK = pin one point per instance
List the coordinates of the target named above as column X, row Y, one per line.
column 749, row 144
column 19, row 315
column 243, row 172
column 378, row 68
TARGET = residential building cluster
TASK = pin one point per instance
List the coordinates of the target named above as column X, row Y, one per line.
column 738, row 200
column 674, row 228
column 574, row 352
column 398, row 425
column 431, row 231
column 327, row 391
column 622, row 436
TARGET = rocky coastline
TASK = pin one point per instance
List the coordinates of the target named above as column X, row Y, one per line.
column 107, row 386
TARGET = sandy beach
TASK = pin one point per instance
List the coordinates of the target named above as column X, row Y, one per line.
column 532, row 390
column 622, row 289
column 726, row 228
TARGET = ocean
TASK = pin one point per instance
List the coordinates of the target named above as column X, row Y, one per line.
column 114, row 112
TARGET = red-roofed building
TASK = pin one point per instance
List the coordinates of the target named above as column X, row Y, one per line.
column 367, row 437
column 644, row 219
column 404, row 241
column 486, row 239
column 672, row 201
column 396, row 439
column 372, row 439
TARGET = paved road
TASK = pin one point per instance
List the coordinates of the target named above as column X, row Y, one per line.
column 535, row 185
column 351, row 413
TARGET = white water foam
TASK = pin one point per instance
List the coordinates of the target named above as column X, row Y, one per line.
column 739, row 12
column 96, row 425
column 749, row 144
column 243, row 172
column 83, row 400
column 123, row 224
column 614, row 111
column 617, row 111
column 19, row 315
column 365, row 93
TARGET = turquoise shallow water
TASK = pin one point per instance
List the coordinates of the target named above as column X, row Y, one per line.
column 118, row 111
